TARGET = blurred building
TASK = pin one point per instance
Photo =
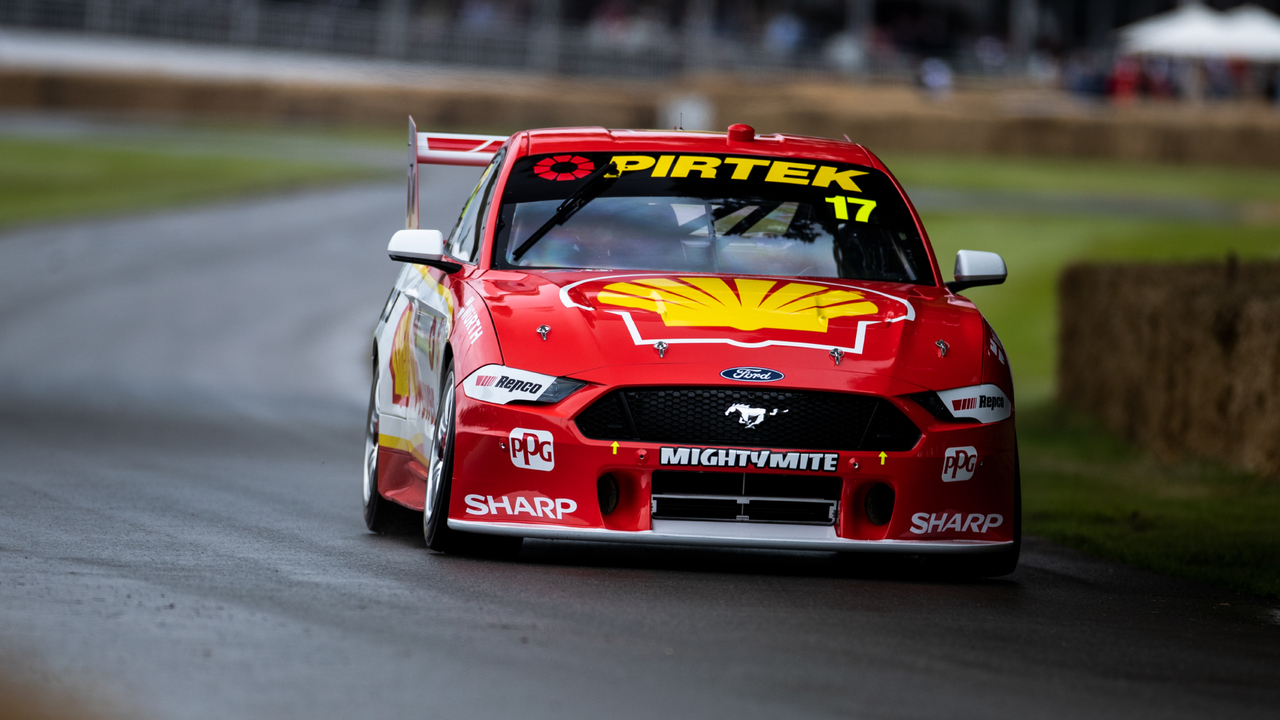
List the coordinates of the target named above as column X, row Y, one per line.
column 1070, row 41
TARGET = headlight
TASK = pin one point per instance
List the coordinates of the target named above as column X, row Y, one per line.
column 501, row 385
column 980, row 403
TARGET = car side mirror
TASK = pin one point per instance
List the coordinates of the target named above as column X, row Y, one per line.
column 974, row 268
column 421, row 247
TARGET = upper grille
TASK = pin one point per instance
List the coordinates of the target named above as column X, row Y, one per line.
column 803, row 420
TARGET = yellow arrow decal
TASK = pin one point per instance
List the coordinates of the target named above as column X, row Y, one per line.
column 615, row 448
column 882, row 456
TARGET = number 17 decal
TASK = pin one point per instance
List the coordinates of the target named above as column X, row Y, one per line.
column 842, row 207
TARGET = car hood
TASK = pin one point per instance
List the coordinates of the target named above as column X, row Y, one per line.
column 676, row 328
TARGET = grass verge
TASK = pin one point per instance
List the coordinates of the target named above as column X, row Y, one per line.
column 42, row 179
column 1085, row 488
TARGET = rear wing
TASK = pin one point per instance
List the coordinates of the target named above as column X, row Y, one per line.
column 444, row 149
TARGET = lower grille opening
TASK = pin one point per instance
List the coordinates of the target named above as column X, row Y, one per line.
column 745, row 497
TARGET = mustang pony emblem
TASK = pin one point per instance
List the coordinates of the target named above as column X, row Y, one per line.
column 750, row 416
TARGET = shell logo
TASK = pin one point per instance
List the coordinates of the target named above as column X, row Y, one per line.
column 563, row 167
column 741, row 303
column 404, row 371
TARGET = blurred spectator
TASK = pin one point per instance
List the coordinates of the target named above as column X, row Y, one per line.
column 664, row 37
column 648, row 30
column 990, row 53
column 782, row 34
column 1218, row 78
column 936, row 77
column 844, row 52
column 608, row 24
column 1191, row 80
column 1158, row 78
column 1043, row 68
column 1126, row 78
column 478, row 15
column 1243, row 79
column 1083, row 75
column 614, row 27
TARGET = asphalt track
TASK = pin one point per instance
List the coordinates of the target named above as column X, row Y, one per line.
column 181, row 407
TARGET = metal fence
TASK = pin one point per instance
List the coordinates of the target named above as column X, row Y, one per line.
column 392, row 31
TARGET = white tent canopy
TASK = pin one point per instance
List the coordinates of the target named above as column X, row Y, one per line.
column 1193, row 30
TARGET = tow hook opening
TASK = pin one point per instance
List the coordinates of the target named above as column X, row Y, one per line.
column 607, row 493
column 879, row 505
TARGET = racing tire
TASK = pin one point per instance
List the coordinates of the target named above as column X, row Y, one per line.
column 381, row 515
column 435, row 516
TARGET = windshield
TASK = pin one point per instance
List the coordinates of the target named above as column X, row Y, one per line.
column 714, row 214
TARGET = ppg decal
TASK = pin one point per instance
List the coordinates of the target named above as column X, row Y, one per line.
column 959, row 463
column 532, row 449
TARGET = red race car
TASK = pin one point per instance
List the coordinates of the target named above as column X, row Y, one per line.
column 692, row 338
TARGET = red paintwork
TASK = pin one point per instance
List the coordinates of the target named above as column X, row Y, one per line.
column 485, row 348
column 897, row 359
column 901, row 351
column 401, row 478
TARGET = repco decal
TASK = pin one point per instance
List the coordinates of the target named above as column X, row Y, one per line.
column 976, row 403
column 508, row 384
column 502, row 385
column 928, row 523
column 727, row 457
column 984, row 403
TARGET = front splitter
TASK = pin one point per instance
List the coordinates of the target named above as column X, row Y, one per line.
column 715, row 534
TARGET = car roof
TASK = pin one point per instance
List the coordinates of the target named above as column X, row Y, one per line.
column 599, row 139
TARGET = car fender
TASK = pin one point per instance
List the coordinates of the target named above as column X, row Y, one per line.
column 473, row 341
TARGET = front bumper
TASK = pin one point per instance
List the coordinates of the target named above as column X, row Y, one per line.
column 526, row 470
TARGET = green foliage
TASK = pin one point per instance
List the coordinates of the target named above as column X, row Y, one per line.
column 1084, row 488
column 59, row 179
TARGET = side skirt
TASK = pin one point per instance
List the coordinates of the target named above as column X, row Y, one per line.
column 401, row 479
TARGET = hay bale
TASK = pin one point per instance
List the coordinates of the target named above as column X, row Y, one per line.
column 1182, row 359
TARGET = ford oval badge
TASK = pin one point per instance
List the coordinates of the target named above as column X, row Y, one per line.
column 751, row 374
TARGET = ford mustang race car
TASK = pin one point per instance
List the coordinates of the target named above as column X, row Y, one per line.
column 696, row 338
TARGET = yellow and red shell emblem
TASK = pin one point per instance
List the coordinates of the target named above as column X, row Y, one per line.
column 740, row 303
column 405, row 388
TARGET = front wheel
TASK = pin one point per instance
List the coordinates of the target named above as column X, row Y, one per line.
column 380, row 514
column 435, row 516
